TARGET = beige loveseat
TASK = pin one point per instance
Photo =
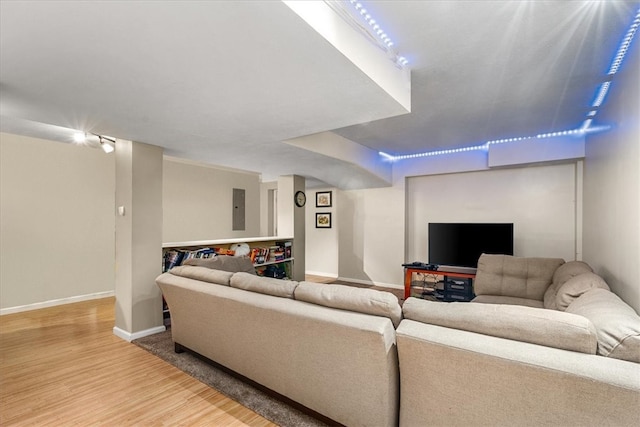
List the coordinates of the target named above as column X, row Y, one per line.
column 330, row 348
column 544, row 343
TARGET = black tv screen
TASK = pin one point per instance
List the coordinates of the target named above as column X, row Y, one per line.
column 461, row 244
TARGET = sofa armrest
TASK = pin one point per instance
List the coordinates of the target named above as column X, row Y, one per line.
column 617, row 324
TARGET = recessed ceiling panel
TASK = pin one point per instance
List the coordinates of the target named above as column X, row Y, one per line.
column 182, row 75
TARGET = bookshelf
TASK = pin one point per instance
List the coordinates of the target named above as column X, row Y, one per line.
column 271, row 256
column 264, row 251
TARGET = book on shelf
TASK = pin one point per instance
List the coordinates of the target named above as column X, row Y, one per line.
column 286, row 248
column 225, row 251
column 259, row 255
column 172, row 258
column 199, row 253
column 175, row 257
column 278, row 252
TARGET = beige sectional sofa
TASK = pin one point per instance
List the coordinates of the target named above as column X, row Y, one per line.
column 545, row 343
column 329, row 348
column 548, row 344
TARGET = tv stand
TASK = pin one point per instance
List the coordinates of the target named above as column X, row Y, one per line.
column 456, row 269
column 443, row 271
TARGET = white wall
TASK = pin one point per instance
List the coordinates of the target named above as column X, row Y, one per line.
column 268, row 214
column 57, row 217
column 612, row 187
column 374, row 233
column 322, row 243
column 371, row 235
column 57, row 221
column 540, row 201
column 379, row 229
column 197, row 202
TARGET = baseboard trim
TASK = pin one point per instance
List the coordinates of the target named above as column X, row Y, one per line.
column 55, row 302
column 128, row 336
column 322, row 273
column 371, row 283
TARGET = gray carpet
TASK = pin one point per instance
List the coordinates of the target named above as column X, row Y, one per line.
column 268, row 406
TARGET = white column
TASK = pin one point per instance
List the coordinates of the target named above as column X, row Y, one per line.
column 138, row 239
column 291, row 220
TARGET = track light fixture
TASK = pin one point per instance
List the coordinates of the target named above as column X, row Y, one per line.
column 107, row 144
column 87, row 138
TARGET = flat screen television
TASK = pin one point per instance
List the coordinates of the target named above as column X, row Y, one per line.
column 461, row 244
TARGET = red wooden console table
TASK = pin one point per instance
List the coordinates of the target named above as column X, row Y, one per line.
column 409, row 270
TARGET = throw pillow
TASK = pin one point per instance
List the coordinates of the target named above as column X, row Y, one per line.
column 568, row 270
column 224, row 263
column 576, row 286
column 563, row 273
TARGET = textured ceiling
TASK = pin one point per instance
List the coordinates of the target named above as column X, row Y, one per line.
column 226, row 82
column 491, row 70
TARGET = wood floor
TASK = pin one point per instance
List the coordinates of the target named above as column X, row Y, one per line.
column 62, row 366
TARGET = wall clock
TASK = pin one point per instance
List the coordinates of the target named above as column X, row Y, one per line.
column 300, row 198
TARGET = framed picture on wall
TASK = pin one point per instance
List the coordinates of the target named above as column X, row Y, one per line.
column 323, row 220
column 323, row 199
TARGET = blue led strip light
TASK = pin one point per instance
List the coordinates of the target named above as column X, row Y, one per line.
column 378, row 32
column 584, row 129
column 613, row 69
column 485, row 146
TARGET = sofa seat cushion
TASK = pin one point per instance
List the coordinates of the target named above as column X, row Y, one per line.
column 202, row 274
column 233, row 264
column 563, row 273
column 361, row 300
column 514, row 277
column 617, row 324
column 499, row 299
column 264, row 285
column 549, row 328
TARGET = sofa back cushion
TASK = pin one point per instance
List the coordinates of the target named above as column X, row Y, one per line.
column 361, row 300
column 264, row 285
column 514, row 277
column 617, row 324
column 540, row 326
column 233, row 264
column 563, row 273
column 499, row 299
column 202, row 274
